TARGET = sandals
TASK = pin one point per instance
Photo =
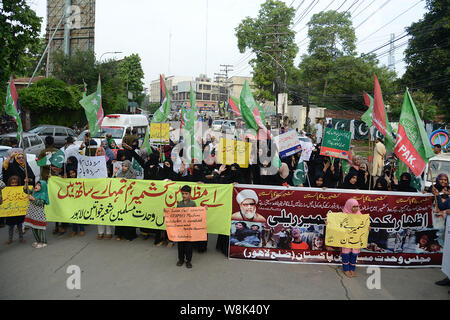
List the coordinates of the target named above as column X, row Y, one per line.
column 99, row 236
column 108, row 237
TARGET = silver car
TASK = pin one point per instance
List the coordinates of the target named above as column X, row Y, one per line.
column 32, row 142
column 58, row 133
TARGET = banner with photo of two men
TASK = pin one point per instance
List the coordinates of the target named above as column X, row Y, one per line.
column 289, row 225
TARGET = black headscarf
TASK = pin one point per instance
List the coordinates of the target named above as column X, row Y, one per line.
column 405, row 183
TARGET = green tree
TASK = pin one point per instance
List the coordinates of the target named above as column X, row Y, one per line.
column 331, row 74
column 270, row 37
column 52, row 101
column 130, row 71
column 428, row 54
column 426, row 105
column 19, row 37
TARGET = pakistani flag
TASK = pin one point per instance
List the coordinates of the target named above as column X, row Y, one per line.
column 12, row 106
column 412, row 146
column 163, row 112
column 58, row 159
column 45, row 161
column 299, row 176
column 93, row 109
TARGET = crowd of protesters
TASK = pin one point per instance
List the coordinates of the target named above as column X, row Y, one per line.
column 168, row 163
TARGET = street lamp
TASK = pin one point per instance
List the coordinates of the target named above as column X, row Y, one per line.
column 112, row 52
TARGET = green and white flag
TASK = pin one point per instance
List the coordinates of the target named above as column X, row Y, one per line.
column 367, row 116
column 163, row 112
column 58, row 159
column 93, row 109
column 299, row 176
column 45, row 161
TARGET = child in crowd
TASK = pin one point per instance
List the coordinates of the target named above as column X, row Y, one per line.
column 14, row 181
column 350, row 255
column 35, row 217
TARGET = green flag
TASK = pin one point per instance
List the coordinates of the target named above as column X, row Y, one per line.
column 92, row 105
column 299, row 176
column 163, row 112
column 45, row 161
column 58, row 159
column 412, row 146
column 12, row 106
column 367, row 117
column 146, row 143
column 250, row 109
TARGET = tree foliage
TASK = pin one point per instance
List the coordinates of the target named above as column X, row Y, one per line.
column 19, row 38
column 270, row 37
column 331, row 72
column 428, row 54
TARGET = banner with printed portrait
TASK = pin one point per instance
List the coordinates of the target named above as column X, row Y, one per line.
column 289, row 224
column 134, row 203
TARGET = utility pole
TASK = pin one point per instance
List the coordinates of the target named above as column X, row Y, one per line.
column 391, row 59
column 275, row 50
column 226, row 69
column 307, row 120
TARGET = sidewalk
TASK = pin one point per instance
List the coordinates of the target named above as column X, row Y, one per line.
column 112, row 269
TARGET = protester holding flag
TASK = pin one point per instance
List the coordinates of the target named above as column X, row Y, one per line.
column 17, row 168
column 35, row 217
column 49, row 150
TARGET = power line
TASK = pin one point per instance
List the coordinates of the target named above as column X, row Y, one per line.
column 391, row 21
column 381, row 7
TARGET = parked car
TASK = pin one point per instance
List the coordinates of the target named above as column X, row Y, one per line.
column 31, row 159
column 217, row 125
column 228, row 126
column 59, row 133
column 32, row 142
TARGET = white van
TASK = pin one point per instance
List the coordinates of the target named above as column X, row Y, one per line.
column 116, row 125
column 436, row 165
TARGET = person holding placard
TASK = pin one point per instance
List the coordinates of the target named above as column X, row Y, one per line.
column 185, row 247
column 350, row 255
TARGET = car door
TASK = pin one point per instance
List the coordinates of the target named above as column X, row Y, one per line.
column 36, row 144
column 60, row 136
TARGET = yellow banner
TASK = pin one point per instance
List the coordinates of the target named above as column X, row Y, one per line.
column 135, row 203
column 233, row 151
column 347, row 230
column 15, row 202
column 159, row 132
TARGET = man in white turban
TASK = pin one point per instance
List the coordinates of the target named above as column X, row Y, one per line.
column 247, row 199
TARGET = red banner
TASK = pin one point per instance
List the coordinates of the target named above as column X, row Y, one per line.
column 288, row 224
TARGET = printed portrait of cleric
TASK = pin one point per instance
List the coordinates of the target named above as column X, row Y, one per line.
column 247, row 200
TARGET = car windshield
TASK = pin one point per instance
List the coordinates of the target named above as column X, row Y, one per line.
column 5, row 141
column 35, row 130
column 116, row 132
column 436, row 167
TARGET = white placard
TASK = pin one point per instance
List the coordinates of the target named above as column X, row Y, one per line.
column 92, row 167
column 307, row 149
column 288, row 144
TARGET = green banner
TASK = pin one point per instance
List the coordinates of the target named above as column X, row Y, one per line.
column 336, row 143
column 134, row 203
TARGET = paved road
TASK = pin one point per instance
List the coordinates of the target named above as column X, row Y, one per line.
column 140, row 270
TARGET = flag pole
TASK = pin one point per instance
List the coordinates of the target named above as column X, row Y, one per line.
column 24, row 158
